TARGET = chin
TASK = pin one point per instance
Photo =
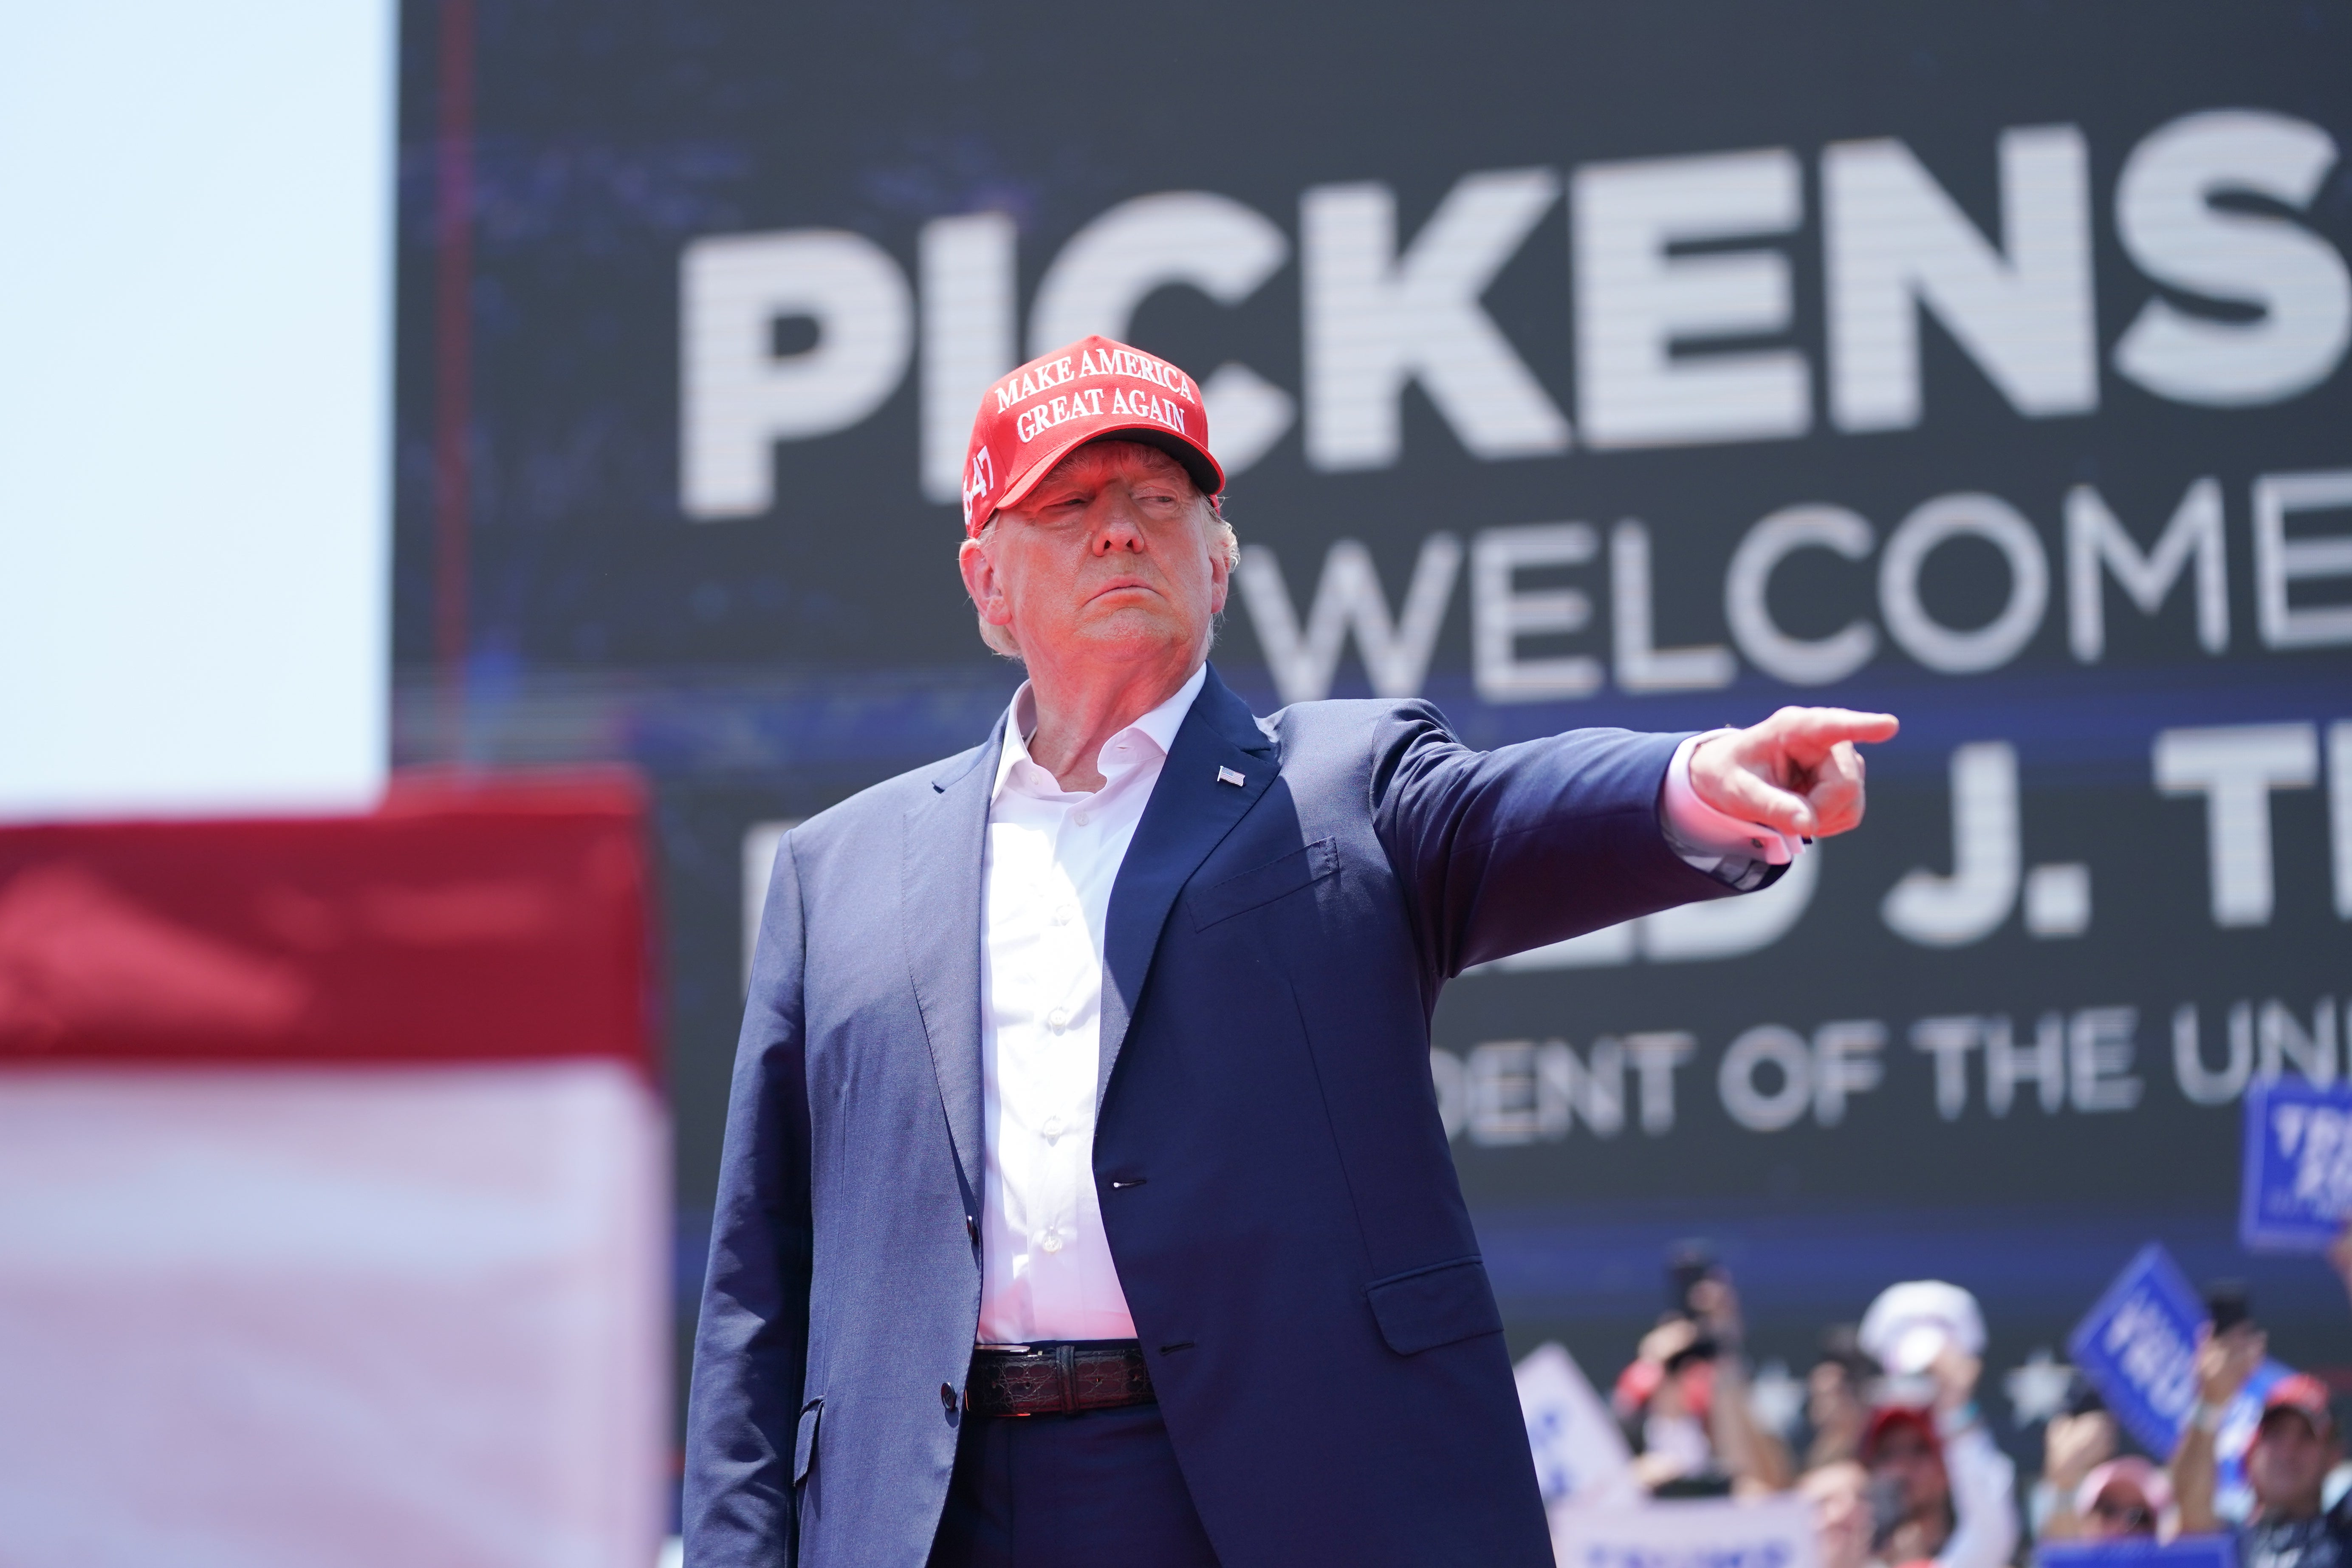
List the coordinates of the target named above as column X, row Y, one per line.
column 1132, row 635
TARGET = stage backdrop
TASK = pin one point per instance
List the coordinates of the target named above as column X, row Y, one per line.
column 1651, row 366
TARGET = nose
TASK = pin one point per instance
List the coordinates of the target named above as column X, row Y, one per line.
column 1116, row 524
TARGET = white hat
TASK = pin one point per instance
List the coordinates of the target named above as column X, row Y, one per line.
column 1909, row 1324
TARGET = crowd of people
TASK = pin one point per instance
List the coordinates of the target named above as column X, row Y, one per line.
column 1890, row 1446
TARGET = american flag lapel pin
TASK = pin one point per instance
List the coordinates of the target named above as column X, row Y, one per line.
column 1227, row 775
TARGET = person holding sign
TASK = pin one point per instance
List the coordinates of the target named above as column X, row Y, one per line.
column 2286, row 1463
column 1085, row 1198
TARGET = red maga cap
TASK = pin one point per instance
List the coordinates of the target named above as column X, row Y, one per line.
column 2306, row 1396
column 1888, row 1417
column 1046, row 410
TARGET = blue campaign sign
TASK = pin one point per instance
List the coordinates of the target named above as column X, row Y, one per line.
column 2138, row 1348
column 2189, row 1552
column 2296, row 1192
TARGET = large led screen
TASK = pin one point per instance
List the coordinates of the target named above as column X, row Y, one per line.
column 1651, row 366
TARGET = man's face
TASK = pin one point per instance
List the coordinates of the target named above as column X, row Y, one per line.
column 1905, row 1456
column 1114, row 556
column 2287, row 1462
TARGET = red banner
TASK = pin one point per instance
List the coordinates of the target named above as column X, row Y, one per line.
column 463, row 921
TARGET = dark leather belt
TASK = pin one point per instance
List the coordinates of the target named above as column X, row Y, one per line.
column 1058, row 1379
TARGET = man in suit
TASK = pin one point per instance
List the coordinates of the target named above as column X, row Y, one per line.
column 1085, row 1198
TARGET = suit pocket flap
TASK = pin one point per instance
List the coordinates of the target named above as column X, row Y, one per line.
column 805, row 1441
column 1425, row 1308
column 1264, row 884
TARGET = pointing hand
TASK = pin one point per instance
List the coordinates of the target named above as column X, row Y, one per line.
column 1797, row 771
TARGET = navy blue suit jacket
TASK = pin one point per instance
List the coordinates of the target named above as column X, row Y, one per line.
column 1274, row 1179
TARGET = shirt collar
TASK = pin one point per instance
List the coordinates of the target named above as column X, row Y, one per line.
column 1160, row 726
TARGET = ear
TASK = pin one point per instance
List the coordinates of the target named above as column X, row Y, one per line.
column 1220, row 572
column 980, row 580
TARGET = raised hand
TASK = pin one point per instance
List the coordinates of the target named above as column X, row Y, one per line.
column 2073, row 1445
column 2226, row 1362
column 1716, row 1305
column 1797, row 771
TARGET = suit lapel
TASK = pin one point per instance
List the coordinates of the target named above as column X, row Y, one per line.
column 1190, row 811
column 939, row 889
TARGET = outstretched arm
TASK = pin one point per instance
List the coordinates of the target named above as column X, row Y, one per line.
column 1504, row 850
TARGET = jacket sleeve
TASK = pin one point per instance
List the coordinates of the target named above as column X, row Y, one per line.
column 1506, row 850
column 750, row 1347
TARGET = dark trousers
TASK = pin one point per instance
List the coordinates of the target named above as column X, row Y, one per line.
column 1095, row 1490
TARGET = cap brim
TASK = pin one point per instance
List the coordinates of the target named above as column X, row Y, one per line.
column 2320, row 1423
column 1203, row 468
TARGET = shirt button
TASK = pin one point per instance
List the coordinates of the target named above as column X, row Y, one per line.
column 1081, row 818
column 1058, row 1019
column 1050, row 1242
column 1064, row 913
column 1053, row 1128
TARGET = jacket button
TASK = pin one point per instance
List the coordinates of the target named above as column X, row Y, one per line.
column 947, row 1397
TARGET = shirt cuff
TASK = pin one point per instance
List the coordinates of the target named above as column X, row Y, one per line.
column 1713, row 841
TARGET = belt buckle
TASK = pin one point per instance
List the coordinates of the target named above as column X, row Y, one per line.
column 1045, row 1379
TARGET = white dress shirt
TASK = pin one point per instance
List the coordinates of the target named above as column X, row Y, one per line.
column 1052, row 856
column 1051, row 859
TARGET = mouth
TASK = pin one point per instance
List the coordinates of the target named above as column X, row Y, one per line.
column 1122, row 585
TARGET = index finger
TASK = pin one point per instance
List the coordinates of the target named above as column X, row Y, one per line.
column 1825, row 727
